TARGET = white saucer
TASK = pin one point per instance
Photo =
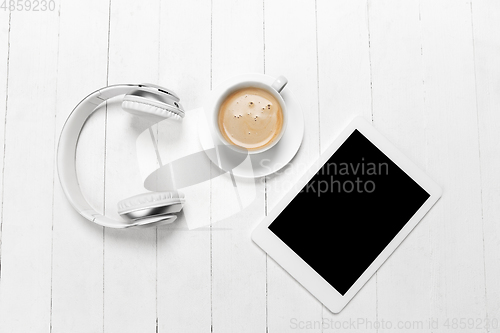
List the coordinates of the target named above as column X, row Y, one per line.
column 271, row 160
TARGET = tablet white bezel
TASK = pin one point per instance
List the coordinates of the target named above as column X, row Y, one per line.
column 296, row 266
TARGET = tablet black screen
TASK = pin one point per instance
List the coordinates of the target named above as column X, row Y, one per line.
column 349, row 212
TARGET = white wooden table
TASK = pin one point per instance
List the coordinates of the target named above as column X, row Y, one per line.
column 425, row 73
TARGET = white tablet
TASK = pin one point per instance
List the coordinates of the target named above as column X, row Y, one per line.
column 346, row 215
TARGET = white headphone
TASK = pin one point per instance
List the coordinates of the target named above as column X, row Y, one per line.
column 146, row 209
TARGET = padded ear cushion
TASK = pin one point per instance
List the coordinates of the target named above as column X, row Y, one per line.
column 154, row 221
column 141, row 106
column 148, row 204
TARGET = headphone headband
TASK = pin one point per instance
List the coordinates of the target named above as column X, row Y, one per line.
column 66, row 150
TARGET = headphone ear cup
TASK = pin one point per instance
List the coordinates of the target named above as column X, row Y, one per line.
column 143, row 106
column 152, row 204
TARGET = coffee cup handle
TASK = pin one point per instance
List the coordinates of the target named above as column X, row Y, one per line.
column 279, row 83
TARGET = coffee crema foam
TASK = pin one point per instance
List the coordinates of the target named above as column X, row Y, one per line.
column 250, row 118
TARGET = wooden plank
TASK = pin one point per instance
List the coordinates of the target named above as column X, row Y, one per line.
column 184, row 256
column 344, row 65
column 344, row 79
column 486, row 39
column 238, row 266
column 288, row 303
column 77, row 259
column 5, row 18
column 453, row 161
column 129, row 255
column 25, row 281
column 4, row 68
column 399, row 114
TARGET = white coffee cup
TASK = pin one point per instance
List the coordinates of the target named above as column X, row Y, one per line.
column 253, row 80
